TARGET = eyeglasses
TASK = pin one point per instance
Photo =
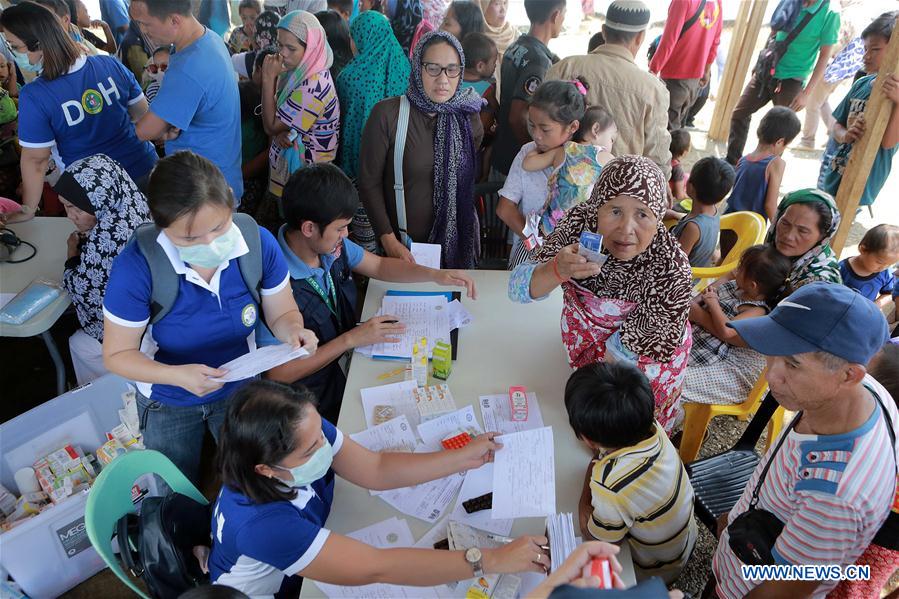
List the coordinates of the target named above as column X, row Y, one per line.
column 153, row 68
column 433, row 69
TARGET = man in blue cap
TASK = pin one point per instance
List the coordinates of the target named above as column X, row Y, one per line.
column 833, row 479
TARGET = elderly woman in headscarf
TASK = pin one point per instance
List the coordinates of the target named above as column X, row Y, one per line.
column 499, row 30
column 106, row 207
column 436, row 204
column 634, row 306
column 300, row 110
column 379, row 70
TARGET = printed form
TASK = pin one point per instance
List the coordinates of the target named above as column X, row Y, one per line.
column 524, row 476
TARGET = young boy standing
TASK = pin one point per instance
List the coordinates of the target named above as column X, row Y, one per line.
column 242, row 38
column 481, row 56
column 710, row 180
column 524, row 66
column 636, row 487
column 850, row 115
column 319, row 202
column 760, row 172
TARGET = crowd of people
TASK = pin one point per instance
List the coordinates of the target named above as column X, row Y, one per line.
column 227, row 183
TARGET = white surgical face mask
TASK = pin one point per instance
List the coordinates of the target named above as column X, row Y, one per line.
column 210, row 255
column 315, row 468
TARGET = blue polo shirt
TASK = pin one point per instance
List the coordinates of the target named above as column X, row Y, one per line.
column 872, row 286
column 210, row 323
column 200, row 98
column 85, row 112
column 257, row 547
column 300, row 270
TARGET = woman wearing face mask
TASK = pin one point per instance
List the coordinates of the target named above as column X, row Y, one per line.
column 278, row 460
column 438, row 160
column 634, row 306
column 106, row 207
column 300, row 110
column 83, row 105
column 211, row 321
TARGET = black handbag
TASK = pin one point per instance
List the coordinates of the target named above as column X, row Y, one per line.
column 770, row 55
column 157, row 545
column 754, row 532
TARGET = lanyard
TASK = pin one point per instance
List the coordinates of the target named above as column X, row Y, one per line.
column 331, row 301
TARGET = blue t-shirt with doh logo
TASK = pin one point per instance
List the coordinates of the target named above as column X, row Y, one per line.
column 85, row 112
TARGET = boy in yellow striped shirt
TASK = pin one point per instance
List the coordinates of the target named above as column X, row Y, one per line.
column 636, row 488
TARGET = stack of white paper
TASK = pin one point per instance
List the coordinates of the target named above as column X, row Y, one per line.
column 393, row 435
column 427, row 501
column 524, row 476
column 562, row 541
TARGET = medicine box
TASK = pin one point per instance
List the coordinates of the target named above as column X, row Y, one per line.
column 50, row 553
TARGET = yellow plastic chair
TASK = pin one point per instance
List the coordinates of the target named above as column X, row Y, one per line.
column 750, row 229
column 697, row 417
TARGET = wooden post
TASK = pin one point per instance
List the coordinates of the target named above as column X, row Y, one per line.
column 740, row 55
column 727, row 78
column 855, row 175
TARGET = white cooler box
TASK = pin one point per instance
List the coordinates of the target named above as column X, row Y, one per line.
column 51, row 553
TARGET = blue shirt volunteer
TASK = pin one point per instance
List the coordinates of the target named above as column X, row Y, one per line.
column 256, row 548
column 210, row 323
column 200, row 98
column 85, row 112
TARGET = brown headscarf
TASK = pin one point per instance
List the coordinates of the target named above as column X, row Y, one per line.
column 658, row 280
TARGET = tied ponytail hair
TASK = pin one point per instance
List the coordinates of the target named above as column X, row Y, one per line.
column 562, row 101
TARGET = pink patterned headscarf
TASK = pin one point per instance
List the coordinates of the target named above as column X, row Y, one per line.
column 318, row 56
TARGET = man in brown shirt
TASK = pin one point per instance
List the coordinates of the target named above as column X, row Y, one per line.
column 637, row 100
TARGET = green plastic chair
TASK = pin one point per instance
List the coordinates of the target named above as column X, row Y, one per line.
column 110, row 499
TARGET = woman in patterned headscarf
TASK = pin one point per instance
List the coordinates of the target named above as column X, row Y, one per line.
column 634, row 307
column 806, row 221
column 106, row 207
column 300, row 109
column 444, row 130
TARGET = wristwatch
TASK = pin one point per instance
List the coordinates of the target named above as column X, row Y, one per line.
column 473, row 557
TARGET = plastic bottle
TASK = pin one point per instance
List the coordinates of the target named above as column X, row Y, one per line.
column 421, row 372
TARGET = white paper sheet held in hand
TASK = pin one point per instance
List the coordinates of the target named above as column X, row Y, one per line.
column 259, row 360
column 426, row 254
column 524, row 476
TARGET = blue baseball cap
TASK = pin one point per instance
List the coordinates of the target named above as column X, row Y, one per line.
column 820, row 316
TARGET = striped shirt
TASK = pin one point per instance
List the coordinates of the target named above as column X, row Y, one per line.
column 833, row 492
column 642, row 494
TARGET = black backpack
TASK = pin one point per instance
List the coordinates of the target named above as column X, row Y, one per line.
column 157, row 545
